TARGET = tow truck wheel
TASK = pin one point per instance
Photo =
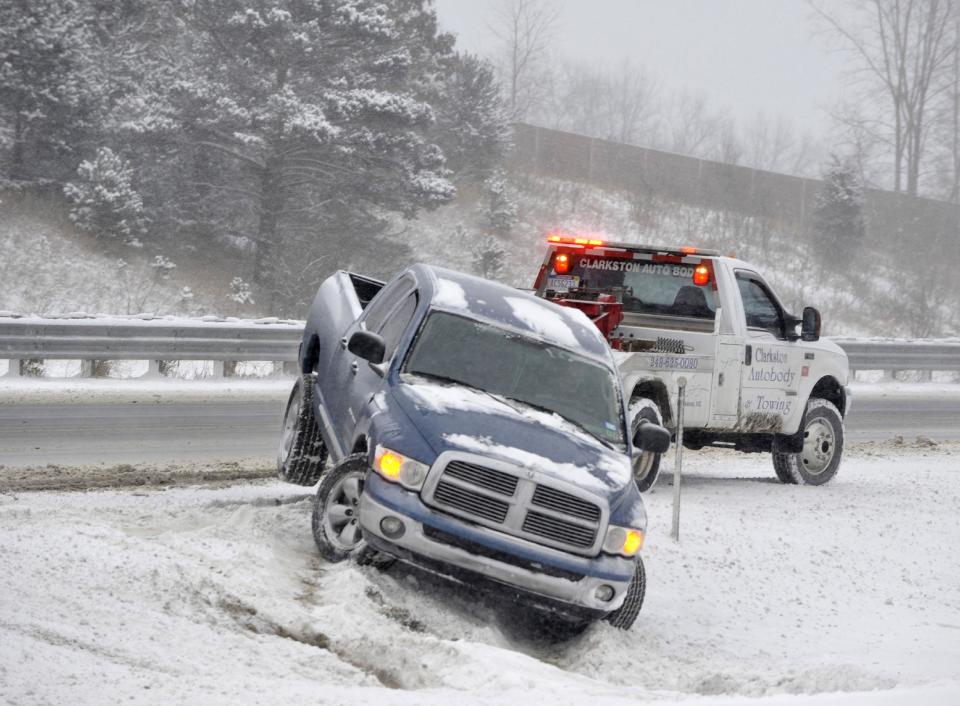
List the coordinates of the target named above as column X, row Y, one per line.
column 302, row 453
column 624, row 616
column 336, row 511
column 645, row 408
column 819, row 459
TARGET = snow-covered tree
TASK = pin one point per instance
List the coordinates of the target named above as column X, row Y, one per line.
column 105, row 202
column 315, row 112
column 42, row 95
column 500, row 207
column 838, row 221
column 488, row 257
column 472, row 122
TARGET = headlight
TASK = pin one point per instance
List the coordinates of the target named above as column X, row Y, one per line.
column 623, row 540
column 397, row 468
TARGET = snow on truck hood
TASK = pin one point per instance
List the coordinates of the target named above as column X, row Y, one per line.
column 454, row 417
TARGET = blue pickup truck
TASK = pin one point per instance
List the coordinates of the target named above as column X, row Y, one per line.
column 475, row 430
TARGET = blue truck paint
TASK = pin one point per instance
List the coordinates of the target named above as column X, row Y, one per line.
column 359, row 406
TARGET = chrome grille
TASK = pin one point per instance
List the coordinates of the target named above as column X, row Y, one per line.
column 471, row 502
column 497, row 481
column 557, row 529
column 553, row 499
column 507, row 499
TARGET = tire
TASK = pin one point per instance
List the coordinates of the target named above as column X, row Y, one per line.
column 624, row 616
column 336, row 521
column 644, row 408
column 302, row 453
column 819, row 460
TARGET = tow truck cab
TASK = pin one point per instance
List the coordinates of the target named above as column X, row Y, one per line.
column 751, row 366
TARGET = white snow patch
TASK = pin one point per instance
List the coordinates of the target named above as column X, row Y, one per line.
column 450, row 294
column 543, row 319
column 618, row 472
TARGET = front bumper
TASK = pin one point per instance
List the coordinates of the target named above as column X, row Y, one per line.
column 565, row 579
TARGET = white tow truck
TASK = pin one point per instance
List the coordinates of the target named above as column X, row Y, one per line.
column 754, row 381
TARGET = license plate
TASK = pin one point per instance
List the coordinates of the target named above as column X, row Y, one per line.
column 563, row 283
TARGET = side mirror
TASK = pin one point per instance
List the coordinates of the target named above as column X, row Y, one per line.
column 810, row 328
column 651, row 437
column 367, row 345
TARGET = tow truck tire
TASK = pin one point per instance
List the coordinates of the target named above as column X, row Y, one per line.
column 624, row 616
column 302, row 453
column 819, row 460
column 336, row 518
column 645, row 408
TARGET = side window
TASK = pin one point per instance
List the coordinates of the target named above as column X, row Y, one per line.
column 760, row 307
column 378, row 308
column 396, row 323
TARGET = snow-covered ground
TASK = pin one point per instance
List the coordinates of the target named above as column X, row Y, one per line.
column 215, row 594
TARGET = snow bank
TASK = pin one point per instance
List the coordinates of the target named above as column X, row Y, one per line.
column 792, row 595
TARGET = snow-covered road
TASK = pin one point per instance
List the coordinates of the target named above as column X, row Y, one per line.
column 216, row 595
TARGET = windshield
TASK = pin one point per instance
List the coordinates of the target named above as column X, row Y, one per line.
column 500, row 362
column 662, row 289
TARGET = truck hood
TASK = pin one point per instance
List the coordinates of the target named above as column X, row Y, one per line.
column 454, row 417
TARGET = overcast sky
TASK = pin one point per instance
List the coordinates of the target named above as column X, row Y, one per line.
column 747, row 55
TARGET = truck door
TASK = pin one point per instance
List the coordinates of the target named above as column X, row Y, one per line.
column 343, row 377
column 772, row 363
column 366, row 381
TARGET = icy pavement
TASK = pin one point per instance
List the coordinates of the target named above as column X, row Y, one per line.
column 216, row 595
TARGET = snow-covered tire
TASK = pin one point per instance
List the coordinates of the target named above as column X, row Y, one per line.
column 819, row 460
column 624, row 616
column 645, row 408
column 302, row 453
column 336, row 510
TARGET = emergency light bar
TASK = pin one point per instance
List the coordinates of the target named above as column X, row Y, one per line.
column 657, row 249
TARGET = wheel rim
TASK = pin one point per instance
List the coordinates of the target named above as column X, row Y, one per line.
column 819, row 446
column 341, row 512
column 289, row 433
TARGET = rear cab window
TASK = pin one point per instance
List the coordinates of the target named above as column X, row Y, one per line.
column 654, row 291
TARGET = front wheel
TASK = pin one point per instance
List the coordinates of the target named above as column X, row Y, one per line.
column 336, row 510
column 819, row 459
column 624, row 616
column 644, row 408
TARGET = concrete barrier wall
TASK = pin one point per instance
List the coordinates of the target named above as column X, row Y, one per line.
column 778, row 197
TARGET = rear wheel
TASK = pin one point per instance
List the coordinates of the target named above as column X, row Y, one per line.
column 302, row 453
column 645, row 408
column 819, row 459
column 624, row 616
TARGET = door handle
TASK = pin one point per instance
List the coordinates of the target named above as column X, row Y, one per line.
column 354, row 367
column 748, row 355
column 343, row 343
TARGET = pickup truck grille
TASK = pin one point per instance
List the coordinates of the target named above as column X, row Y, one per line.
column 517, row 505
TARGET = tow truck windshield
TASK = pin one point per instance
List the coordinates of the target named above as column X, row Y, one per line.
column 457, row 349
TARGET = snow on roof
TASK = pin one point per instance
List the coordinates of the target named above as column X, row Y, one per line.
column 506, row 306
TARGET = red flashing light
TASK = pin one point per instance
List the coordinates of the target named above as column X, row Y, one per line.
column 688, row 250
column 573, row 241
column 561, row 263
column 701, row 275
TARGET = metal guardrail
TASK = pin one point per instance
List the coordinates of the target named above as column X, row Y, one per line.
column 233, row 340
column 155, row 340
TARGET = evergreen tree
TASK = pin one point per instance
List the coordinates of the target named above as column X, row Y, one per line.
column 838, row 222
column 42, row 93
column 473, row 127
